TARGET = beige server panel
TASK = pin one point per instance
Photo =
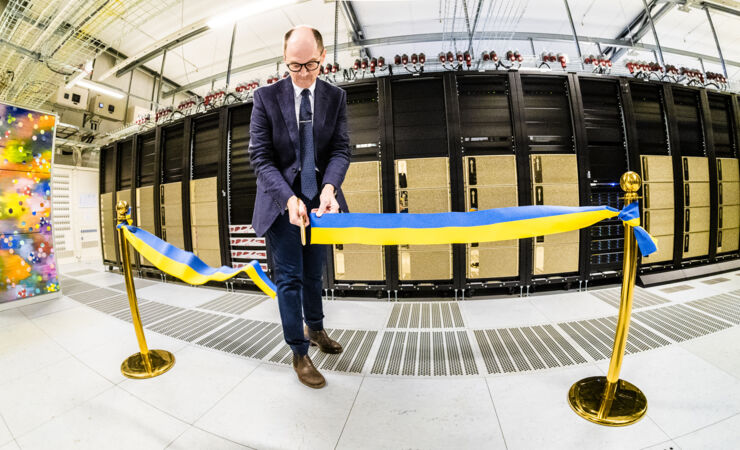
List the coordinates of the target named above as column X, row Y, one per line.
column 423, row 186
column 695, row 244
column 665, row 250
column 204, row 220
column 125, row 195
column 171, row 213
column 362, row 190
column 658, row 196
column 657, row 169
column 695, row 219
column 695, row 168
column 490, row 170
column 727, row 240
column 729, row 193
column 695, row 194
column 107, row 226
column 554, row 169
column 555, row 182
column 729, row 216
column 145, row 214
column 727, row 169
column 659, row 222
column 491, row 182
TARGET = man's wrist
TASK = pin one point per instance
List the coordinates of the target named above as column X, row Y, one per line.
column 331, row 188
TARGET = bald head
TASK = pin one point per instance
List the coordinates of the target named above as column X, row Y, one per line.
column 302, row 45
column 303, row 36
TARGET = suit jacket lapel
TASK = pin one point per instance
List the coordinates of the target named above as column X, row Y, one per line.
column 319, row 111
column 287, row 108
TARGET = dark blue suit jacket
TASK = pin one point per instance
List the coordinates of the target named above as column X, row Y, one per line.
column 274, row 146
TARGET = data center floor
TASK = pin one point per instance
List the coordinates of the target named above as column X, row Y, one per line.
column 474, row 374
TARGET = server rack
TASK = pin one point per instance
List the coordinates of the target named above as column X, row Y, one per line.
column 603, row 151
column 553, row 167
column 353, row 266
column 659, row 208
column 695, row 164
column 107, row 188
column 243, row 244
column 172, row 177
column 489, row 173
column 144, row 176
column 724, row 140
column 421, row 168
column 204, row 192
column 124, row 178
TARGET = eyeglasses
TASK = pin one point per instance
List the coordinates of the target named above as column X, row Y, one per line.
column 310, row 66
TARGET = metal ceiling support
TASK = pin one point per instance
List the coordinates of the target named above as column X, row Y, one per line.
column 641, row 23
column 475, row 25
column 716, row 41
column 120, row 56
column 440, row 37
column 336, row 30
column 575, row 36
column 128, row 92
column 721, row 8
column 355, row 27
column 154, row 53
column 231, row 56
column 159, row 81
column 655, row 33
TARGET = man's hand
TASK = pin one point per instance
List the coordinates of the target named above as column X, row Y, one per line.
column 328, row 201
column 297, row 211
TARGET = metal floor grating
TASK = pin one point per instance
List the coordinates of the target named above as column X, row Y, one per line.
column 526, row 348
column 113, row 304
column 680, row 323
column 82, row 272
column 724, row 306
column 356, row 345
column 677, row 288
column 640, row 299
column 715, row 280
column 596, row 336
column 138, row 284
column 189, row 325
column 233, row 303
column 75, row 288
column 92, row 295
column 426, row 315
column 251, row 338
column 425, row 353
column 150, row 312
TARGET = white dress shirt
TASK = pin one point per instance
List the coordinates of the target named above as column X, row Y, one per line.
column 297, row 91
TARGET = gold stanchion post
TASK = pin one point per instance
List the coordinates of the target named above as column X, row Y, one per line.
column 147, row 363
column 609, row 400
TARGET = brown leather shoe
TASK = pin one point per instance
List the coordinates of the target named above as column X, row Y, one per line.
column 325, row 343
column 307, row 373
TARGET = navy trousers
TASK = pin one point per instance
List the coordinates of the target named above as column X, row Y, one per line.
column 298, row 272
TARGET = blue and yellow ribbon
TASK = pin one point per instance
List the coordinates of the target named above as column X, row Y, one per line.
column 185, row 265
column 500, row 224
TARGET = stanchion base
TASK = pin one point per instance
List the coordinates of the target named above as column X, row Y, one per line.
column 586, row 397
column 134, row 367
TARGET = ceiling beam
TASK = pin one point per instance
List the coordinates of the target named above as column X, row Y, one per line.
column 439, row 37
column 642, row 22
column 358, row 35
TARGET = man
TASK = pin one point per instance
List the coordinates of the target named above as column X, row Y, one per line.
column 299, row 149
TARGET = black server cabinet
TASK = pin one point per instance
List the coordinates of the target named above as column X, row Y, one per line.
column 107, row 189
column 605, row 151
column 361, row 266
column 419, row 166
column 551, row 162
column 144, row 189
column 124, row 177
column 171, row 191
column 488, row 177
column 243, row 244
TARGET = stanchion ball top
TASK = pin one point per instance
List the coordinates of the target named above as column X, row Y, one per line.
column 630, row 182
column 122, row 207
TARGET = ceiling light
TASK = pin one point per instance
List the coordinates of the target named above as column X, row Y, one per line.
column 250, row 10
column 87, row 84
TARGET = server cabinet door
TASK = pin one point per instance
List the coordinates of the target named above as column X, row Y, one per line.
column 171, row 214
column 145, row 214
column 204, row 220
column 108, row 226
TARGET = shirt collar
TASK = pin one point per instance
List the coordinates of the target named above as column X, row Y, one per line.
column 297, row 90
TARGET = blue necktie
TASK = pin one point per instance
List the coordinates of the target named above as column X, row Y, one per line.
column 309, row 187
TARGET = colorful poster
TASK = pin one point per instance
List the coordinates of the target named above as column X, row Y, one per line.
column 27, row 263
